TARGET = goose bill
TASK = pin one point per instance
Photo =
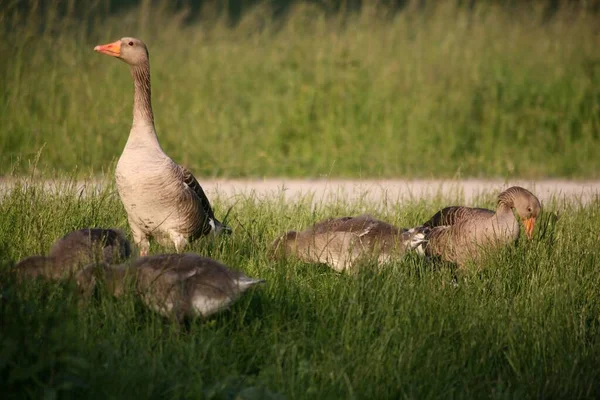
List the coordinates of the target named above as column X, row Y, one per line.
column 110, row 49
column 529, row 224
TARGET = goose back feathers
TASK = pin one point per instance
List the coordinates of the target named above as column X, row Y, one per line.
column 76, row 250
column 342, row 242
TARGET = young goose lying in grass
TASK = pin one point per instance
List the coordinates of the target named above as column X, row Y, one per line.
column 76, row 250
column 162, row 199
column 342, row 242
column 459, row 234
column 174, row 285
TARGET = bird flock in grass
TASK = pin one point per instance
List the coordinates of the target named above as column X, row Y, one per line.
column 165, row 202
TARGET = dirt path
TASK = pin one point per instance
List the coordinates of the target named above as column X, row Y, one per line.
column 367, row 190
column 398, row 190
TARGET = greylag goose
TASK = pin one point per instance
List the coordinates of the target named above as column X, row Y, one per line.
column 76, row 250
column 342, row 242
column 459, row 234
column 174, row 285
column 162, row 199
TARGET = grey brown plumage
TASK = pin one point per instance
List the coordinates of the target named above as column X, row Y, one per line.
column 452, row 215
column 175, row 285
column 162, row 199
column 190, row 180
column 76, row 250
column 459, row 234
column 342, row 242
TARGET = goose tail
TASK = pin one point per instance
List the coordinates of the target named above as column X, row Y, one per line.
column 223, row 229
column 245, row 282
column 218, row 228
column 416, row 239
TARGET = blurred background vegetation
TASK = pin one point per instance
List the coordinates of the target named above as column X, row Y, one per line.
column 309, row 89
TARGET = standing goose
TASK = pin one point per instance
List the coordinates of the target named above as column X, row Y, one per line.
column 459, row 234
column 75, row 250
column 162, row 199
column 174, row 285
column 342, row 242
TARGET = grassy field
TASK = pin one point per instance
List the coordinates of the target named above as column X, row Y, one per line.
column 433, row 92
column 526, row 326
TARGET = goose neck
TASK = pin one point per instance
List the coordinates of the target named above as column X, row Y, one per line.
column 142, row 101
column 504, row 208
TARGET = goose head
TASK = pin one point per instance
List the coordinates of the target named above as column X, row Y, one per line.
column 526, row 205
column 131, row 50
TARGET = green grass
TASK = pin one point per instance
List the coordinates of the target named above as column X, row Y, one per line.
column 526, row 326
column 438, row 91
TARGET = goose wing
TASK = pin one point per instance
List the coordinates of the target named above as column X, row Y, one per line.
column 446, row 233
column 166, row 268
column 438, row 243
column 456, row 214
column 191, row 182
column 365, row 233
column 330, row 225
column 360, row 225
column 433, row 237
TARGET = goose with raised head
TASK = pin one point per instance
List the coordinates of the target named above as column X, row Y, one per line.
column 162, row 199
column 459, row 234
column 76, row 250
column 342, row 242
column 174, row 285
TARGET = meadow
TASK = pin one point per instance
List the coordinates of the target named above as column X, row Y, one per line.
column 526, row 325
column 435, row 90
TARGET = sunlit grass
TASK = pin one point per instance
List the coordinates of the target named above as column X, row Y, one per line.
column 525, row 326
column 436, row 91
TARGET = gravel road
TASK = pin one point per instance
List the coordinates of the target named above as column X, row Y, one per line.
column 350, row 190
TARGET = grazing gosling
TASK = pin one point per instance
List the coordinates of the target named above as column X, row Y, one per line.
column 342, row 242
column 74, row 251
column 174, row 285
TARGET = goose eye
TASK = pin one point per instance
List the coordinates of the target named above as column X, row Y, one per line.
column 529, row 209
column 131, row 43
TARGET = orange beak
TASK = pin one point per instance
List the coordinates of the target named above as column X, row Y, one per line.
column 111, row 49
column 529, row 223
